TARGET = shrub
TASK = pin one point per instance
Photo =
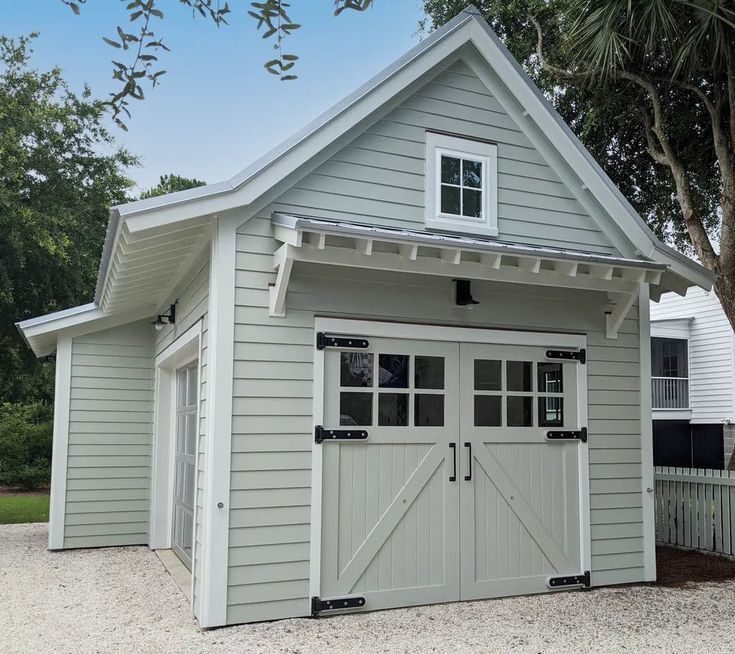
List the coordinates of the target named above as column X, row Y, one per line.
column 26, row 436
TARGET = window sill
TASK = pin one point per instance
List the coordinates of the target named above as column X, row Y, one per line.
column 460, row 227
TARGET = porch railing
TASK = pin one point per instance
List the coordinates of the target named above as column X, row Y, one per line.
column 670, row 392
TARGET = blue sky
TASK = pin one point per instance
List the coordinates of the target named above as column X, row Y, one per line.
column 216, row 109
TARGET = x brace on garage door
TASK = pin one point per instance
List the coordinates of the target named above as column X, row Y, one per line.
column 348, row 244
column 396, row 504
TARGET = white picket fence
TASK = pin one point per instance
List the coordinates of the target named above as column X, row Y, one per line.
column 696, row 508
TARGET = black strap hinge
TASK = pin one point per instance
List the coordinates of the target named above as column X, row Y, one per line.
column 568, row 355
column 327, row 340
column 573, row 580
column 318, row 605
column 580, row 435
column 321, row 434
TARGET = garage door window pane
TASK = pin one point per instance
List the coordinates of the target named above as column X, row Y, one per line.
column 429, row 410
column 429, row 372
column 488, row 411
column 393, row 371
column 393, row 409
column 355, row 409
column 519, row 376
column 550, row 378
column 356, row 369
column 550, row 411
column 487, row 375
column 520, row 411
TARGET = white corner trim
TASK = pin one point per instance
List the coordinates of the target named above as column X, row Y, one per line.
column 647, row 496
column 220, row 365
column 315, row 554
column 62, row 400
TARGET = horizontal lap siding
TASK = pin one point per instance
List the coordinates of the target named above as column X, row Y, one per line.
column 109, row 454
column 379, row 177
column 711, row 352
column 193, row 305
column 272, row 421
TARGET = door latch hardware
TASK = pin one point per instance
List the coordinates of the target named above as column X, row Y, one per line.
column 568, row 355
column 318, row 605
column 580, row 435
column 326, row 340
column 321, row 434
column 573, row 580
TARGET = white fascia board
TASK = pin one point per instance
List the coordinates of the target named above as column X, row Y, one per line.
column 396, row 74
column 578, row 158
column 40, row 333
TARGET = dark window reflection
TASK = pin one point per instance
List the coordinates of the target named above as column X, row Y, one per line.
column 519, row 376
column 488, row 411
column 550, row 378
column 520, row 411
column 356, row 409
column 487, row 375
column 429, row 372
column 428, row 410
column 356, row 369
column 393, row 371
column 393, row 409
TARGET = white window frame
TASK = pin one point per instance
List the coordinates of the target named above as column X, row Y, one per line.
column 438, row 145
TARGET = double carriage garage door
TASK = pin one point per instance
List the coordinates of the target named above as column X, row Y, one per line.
column 448, row 470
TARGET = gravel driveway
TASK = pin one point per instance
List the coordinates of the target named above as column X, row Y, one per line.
column 122, row 600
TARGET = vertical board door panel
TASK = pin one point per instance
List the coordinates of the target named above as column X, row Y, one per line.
column 520, row 518
column 389, row 510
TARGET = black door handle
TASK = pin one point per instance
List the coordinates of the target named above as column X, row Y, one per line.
column 453, row 476
column 468, row 476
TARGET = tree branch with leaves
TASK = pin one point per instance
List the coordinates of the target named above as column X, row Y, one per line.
column 144, row 45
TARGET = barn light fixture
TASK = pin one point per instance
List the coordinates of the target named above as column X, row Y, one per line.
column 164, row 319
column 462, row 294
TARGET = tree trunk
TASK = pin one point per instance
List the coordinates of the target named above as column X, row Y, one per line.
column 724, row 288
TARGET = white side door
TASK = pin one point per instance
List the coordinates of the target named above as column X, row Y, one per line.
column 182, row 535
column 390, row 518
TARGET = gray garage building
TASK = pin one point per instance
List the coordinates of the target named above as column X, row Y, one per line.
column 402, row 359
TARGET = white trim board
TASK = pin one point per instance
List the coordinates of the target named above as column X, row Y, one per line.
column 647, row 483
column 220, row 366
column 185, row 349
column 62, row 400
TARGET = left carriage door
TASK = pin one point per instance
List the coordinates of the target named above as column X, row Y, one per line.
column 185, row 462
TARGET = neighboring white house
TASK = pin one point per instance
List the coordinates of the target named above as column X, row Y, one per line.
column 324, row 417
column 693, row 367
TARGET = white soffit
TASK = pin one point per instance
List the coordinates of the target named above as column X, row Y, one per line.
column 329, row 242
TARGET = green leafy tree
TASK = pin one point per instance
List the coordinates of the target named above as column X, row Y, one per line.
column 55, row 191
column 171, row 184
column 649, row 87
column 144, row 44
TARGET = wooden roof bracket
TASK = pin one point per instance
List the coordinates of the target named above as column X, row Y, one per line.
column 614, row 319
column 283, row 262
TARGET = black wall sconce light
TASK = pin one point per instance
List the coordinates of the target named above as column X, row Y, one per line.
column 463, row 295
column 164, row 319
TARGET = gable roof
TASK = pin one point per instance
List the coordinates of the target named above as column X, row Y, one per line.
column 134, row 228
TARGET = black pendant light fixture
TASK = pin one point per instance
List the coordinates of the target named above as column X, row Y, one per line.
column 168, row 318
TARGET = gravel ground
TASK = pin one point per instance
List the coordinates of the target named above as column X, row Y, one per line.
column 122, row 600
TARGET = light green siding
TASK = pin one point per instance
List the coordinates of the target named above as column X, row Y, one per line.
column 109, row 455
column 272, row 412
column 379, row 177
column 193, row 303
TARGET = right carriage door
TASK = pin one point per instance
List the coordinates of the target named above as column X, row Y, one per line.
column 520, row 489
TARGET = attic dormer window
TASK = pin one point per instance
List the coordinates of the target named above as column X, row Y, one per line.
column 461, row 179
